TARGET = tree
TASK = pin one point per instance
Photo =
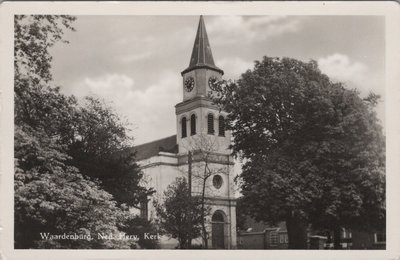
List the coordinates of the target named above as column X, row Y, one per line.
column 52, row 197
column 36, row 103
column 241, row 215
column 179, row 213
column 100, row 148
column 140, row 226
column 203, row 149
column 54, row 194
column 33, row 36
column 314, row 151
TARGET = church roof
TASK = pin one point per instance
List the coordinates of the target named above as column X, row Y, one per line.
column 147, row 150
column 201, row 54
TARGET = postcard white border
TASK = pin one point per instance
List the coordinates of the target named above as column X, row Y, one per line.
column 389, row 9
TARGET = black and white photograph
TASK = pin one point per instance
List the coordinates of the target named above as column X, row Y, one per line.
column 252, row 132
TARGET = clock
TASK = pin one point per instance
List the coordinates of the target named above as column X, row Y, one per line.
column 212, row 83
column 189, row 84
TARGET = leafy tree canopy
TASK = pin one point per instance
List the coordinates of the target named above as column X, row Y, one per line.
column 179, row 213
column 140, row 226
column 101, row 149
column 313, row 149
column 60, row 148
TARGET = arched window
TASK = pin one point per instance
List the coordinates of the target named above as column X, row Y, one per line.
column 210, row 124
column 193, row 124
column 217, row 217
column 183, row 131
column 221, row 126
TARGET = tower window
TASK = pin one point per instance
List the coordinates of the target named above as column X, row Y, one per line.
column 193, row 124
column 221, row 126
column 210, row 121
column 183, row 130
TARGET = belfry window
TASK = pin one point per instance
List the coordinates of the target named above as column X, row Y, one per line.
column 221, row 126
column 193, row 124
column 210, row 124
column 183, row 130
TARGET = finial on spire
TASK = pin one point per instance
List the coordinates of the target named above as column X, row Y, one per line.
column 201, row 54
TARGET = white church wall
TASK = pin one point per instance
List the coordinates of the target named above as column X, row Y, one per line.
column 233, row 227
column 159, row 172
column 226, row 172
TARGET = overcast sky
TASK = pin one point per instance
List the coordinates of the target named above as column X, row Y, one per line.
column 135, row 61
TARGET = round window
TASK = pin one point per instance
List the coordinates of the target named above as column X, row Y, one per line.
column 217, row 181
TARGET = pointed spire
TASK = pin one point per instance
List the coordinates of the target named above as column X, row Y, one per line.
column 201, row 54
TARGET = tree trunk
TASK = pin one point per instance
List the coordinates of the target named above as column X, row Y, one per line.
column 297, row 232
column 336, row 237
column 203, row 224
column 189, row 243
column 181, row 243
column 189, row 240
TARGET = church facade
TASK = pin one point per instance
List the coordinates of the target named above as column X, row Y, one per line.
column 201, row 132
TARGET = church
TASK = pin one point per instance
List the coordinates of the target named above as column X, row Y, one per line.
column 202, row 144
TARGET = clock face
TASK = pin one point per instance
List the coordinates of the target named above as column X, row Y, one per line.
column 212, row 83
column 189, row 84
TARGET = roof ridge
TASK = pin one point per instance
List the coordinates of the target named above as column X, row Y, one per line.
column 155, row 141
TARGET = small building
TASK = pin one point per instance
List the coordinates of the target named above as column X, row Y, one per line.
column 259, row 235
column 368, row 240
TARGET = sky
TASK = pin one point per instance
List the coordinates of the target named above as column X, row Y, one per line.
column 134, row 62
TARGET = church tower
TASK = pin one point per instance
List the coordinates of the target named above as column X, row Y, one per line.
column 197, row 117
column 201, row 131
column 198, row 77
